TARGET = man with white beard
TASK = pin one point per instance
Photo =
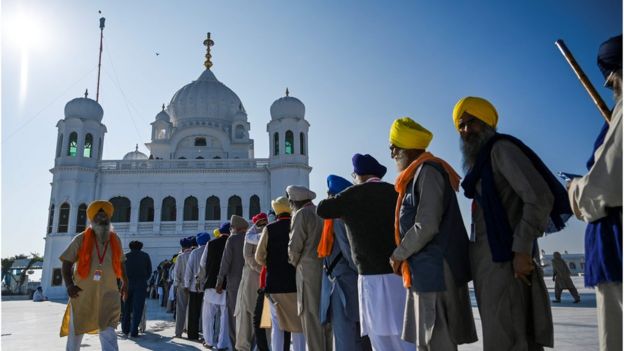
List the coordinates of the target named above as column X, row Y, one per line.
column 92, row 263
column 516, row 198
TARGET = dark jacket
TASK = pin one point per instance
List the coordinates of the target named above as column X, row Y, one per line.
column 213, row 261
column 280, row 276
column 368, row 211
column 138, row 267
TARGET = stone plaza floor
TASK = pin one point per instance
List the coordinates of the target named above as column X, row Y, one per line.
column 28, row 325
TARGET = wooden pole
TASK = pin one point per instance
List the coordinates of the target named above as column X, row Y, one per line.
column 602, row 107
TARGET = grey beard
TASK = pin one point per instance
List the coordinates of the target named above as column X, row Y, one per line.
column 470, row 148
column 101, row 231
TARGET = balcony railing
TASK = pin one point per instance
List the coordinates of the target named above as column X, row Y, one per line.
column 121, row 165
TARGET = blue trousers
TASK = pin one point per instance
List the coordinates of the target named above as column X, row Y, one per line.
column 133, row 309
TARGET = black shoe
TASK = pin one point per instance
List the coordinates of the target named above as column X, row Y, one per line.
column 556, row 301
column 577, row 301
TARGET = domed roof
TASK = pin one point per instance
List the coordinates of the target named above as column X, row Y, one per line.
column 204, row 98
column 287, row 106
column 162, row 115
column 135, row 155
column 84, row 108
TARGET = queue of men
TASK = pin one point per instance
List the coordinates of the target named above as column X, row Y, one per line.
column 386, row 266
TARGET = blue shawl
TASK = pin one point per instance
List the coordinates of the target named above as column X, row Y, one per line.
column 603, row 239
column 499, row 231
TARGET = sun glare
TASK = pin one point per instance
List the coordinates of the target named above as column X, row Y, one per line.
column 25, row 31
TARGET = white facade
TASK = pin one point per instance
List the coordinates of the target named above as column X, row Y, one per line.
column 201, row 159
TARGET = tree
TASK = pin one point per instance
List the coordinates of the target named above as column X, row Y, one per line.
column 7, row 263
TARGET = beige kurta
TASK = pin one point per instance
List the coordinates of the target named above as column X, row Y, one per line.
column 98, row 305
column 285, row 303
column 305, row 233
column 247, row 298
column 601, row 188
column 513, row 315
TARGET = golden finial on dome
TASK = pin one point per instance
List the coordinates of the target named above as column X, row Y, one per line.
column 163, row 107
column 208, row 43
column 86, row 93
column 287, row 93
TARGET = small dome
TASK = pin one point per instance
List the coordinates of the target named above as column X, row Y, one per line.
column 84, row 108
column 163, row 115
column 287, row 106
column 135, row 155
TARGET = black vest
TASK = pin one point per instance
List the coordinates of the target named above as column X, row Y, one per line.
column 280, row 276
column 213, row 261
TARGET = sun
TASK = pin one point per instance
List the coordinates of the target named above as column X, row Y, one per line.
column 25, row 31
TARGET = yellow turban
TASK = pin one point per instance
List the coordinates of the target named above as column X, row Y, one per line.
column 407, row 134
column 478, row 107
column 280, row 205
column 98, row 205
column 216, row 233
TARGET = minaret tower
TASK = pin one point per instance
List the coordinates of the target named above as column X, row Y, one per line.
column 288, row 140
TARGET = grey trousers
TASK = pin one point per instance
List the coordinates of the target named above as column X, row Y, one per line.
column 182, row 297
column 230, row 301
column 609, row 310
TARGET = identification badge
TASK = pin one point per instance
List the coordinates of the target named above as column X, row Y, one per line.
column 97, row 275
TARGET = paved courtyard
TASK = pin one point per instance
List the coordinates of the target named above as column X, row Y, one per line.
column 28, row 325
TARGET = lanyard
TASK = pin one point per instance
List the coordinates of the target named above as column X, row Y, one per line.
column 97, row 247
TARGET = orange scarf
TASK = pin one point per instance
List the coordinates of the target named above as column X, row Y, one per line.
column 86, row 249
column 403, row 179
column 326, row 244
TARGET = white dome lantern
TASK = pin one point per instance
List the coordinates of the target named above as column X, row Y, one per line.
column 84, row 108
column 163, row 115
column 135, row 155
column 287, row 106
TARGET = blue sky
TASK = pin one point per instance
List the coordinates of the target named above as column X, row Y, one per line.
column 356, row 65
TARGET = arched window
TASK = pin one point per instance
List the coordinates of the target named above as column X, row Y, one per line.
column 275, row 144
column 235, row 206
column 59, row 145
column 181, row 158
column 240, row 132
column 63, row 218
column 254, row 205
column 213, row 209
column 72, row 146
column 51, row 219
column 146, row 210
column 168, row 210
column 572, row 265
column 88, row 146
column 302, row 143
column 199, row 158
column 81, row 219
column 200, row 141
column 290, row 140
column 190, row 209
column 122, row 209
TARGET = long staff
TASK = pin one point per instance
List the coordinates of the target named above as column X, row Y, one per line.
column 600, row 104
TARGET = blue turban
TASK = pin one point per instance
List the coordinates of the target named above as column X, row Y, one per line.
column 185, row 243
column 336, row 184
column 610, row 55
column 367, row 164
column 225, row 228
column 202, row 238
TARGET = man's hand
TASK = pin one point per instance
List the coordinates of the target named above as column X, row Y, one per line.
column 73, row 290
column 219, row 289
column 124, row 293
column 396, row 265
column 523, row 266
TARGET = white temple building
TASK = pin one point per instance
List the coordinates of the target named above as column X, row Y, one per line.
column 201, row 170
